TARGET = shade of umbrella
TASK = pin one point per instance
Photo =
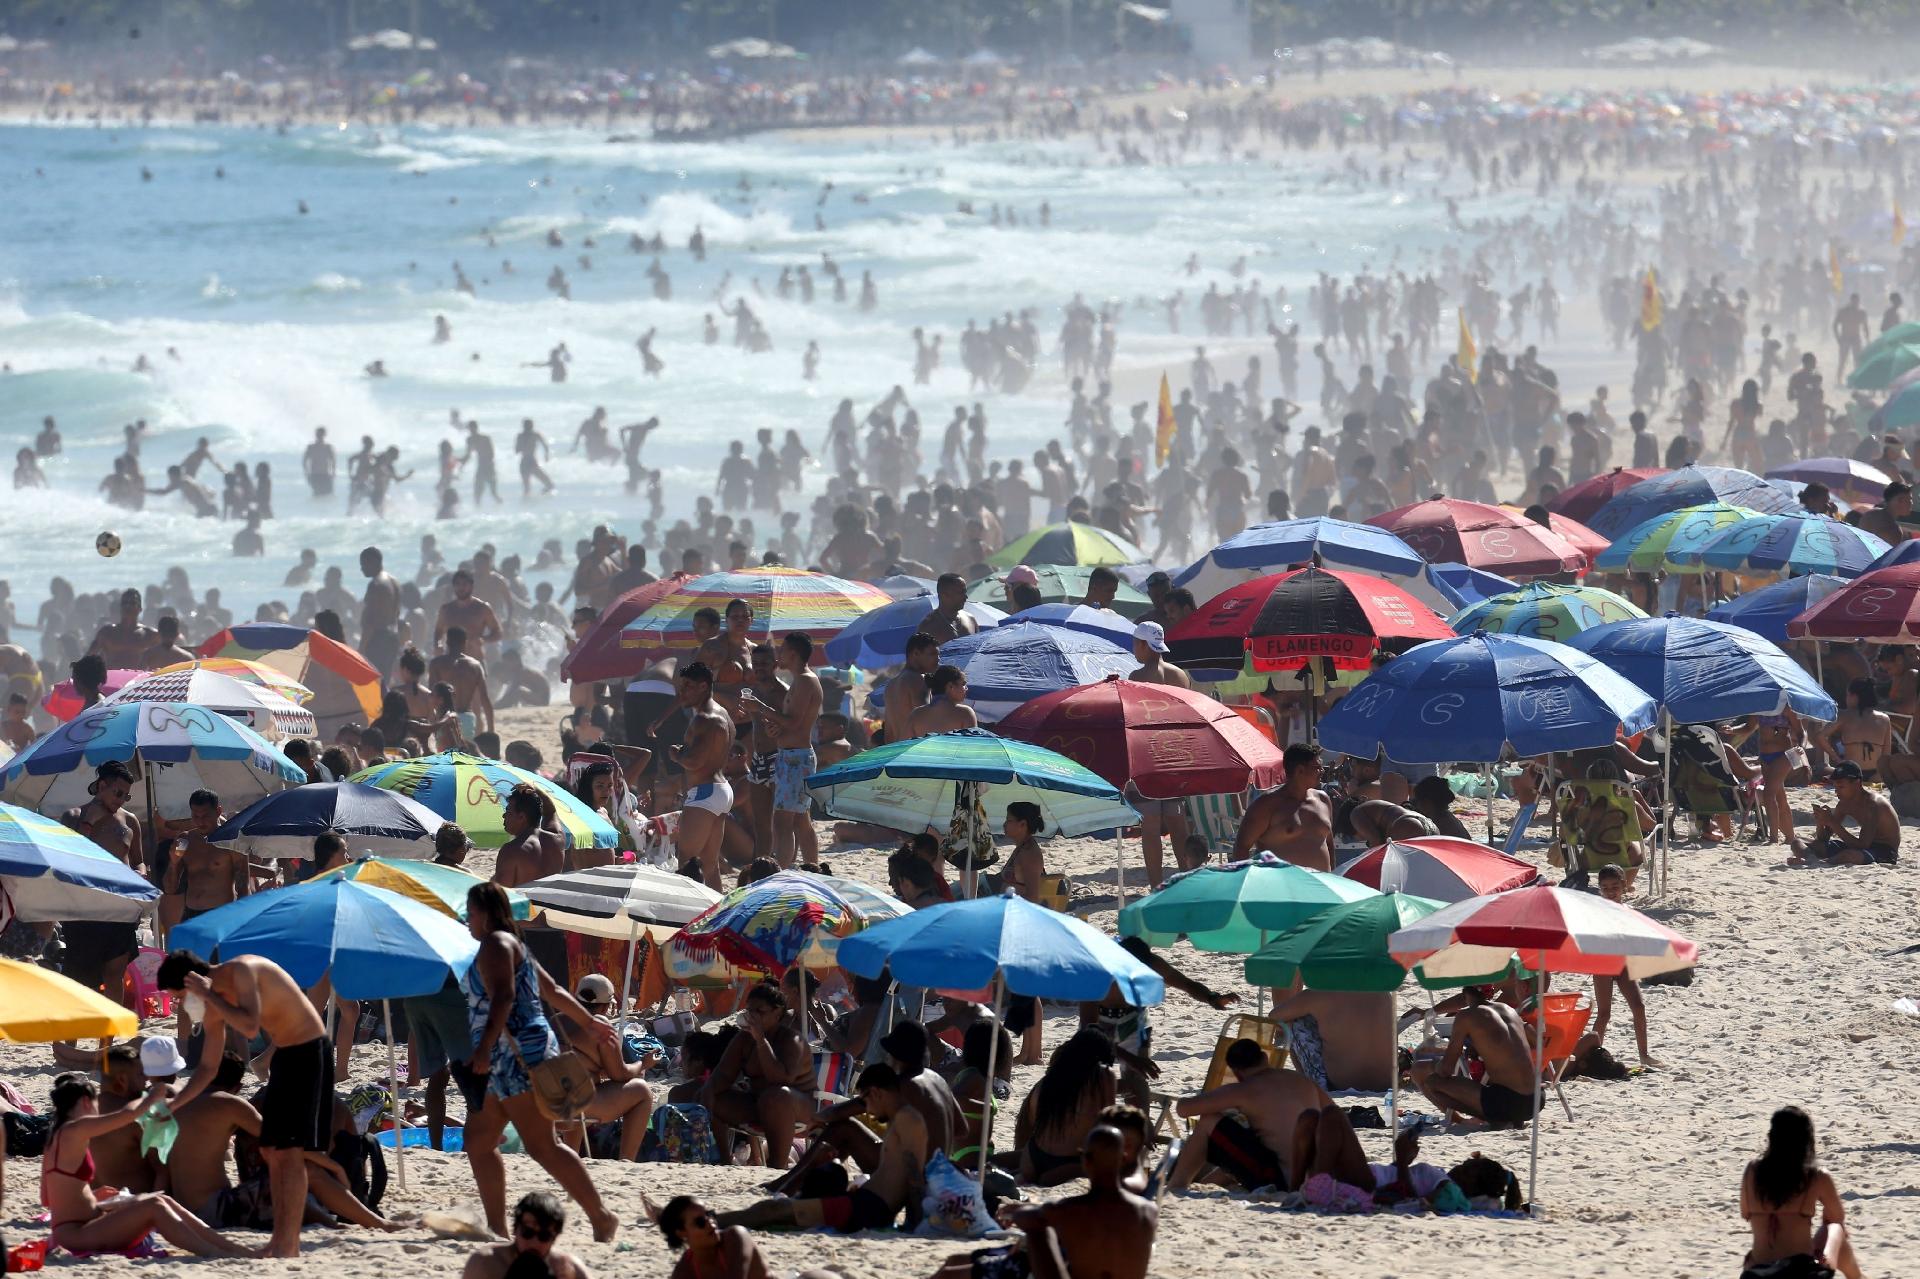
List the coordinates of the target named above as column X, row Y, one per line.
column 1438, row 866
column 1545, row 610
column 1767, row 611
column 51, row 873
column 1104, row 623
column 1344, row 947
column 783, row 599
column 345, row 685
column 181, row 748
column 1011, row 665
column 1087, row 545
column 600, row 654
column 619, row 901
column 1847, row 479
column 258, row 674
column 63, row 699
column 1799, row 543
column 1167, row 741
column 1475, row 697
column 773, row 924
column 1700, row 671
column 262, row 709
column 1880, row 370
column 473, row 792
column 1283, row 544
column 370, row 819
column 1483, row 536
column 1688, row 486
column 373, row 943
column 1234, row 909
column 1583, row 500
column 1058, row 583
column 1663, row 542
column 1288, row 618
column 879, row 638
column 39, row 1006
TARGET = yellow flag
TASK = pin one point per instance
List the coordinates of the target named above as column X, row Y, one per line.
column 1899, row 226
column 1833, row 268
column 1652, row 310
column 1468, row 355
column 1163, row 434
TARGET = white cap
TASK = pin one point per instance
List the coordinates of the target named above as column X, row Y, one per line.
column 160, row 1057
column 1153, row 635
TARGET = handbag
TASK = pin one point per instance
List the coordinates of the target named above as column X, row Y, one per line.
column 562, row 1084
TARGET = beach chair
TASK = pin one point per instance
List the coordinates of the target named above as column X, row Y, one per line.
column 1216, row 818
column 1156, row 1192
column 1054, row 894
column 1269, row 1033
column 1567, row 1017
column 1571, row 795
column 1521, row 821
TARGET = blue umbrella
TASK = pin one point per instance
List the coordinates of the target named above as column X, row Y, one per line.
column 901, row 586
column 1474, row 697
column 376, row 944
column 371, row 820
column 1899, row 553
column 1009, row 666
column 1688, row 486
column 877, row 639
column 50, row 872
column 1800, row 543
column 1279, row 544
column 1101, row 622
column 1767, row 611
column 1700, row 671
column 1463, row 586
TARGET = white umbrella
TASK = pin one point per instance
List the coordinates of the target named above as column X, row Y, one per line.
column 264, row 710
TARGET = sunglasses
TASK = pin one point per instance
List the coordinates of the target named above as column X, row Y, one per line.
column 539, row 1233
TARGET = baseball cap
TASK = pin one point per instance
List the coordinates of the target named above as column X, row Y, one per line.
column 1153, row 635
column 906, row 1042
column 594, row 989
column 160, row 1057
column 1850, row 770
column 1022, row 575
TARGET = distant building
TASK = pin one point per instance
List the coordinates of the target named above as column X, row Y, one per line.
column 1216, row 30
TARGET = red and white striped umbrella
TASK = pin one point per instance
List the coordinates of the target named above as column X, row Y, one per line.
column 1440, row 868
column 1547, row 929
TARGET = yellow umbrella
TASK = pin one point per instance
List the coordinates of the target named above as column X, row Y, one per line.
column 38, row 1005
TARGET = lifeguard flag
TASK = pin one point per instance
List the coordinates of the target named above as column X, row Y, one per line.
column 1651, row 311
column 1899, row 226
column 1166, row 426
column 1833, row 268
column 1468, row 355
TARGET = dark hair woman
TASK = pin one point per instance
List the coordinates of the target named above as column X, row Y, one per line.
column 1778, row 1196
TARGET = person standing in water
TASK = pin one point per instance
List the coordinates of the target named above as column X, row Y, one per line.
column 533, row 449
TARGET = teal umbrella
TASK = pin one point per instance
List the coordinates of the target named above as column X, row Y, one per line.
column 1343, row 947
column 1883, row 368
column 1235, row 909
column 1897, row 336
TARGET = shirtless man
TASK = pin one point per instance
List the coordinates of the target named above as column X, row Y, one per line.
column 1253, row 1153
column 703, row 754
column 98, row 951
column 1876, row 843
column 907, row 691
column 765, row 1076
column 765, row 689
column 117, row 1158
column 1150, row 650
column 538, row 1220
column 1375, row 821
column 201, row 874
column 899, row 1171
column 1433, row 800
column 123, row 645
column 532, row 851
column 792, row 727
column 255, row 996
column 473, row 616
column 16, row 730
column 1862, row 733
column 380, row 615
column 1106, row 1232
column 468, row 678
column 1504, row 1096
column 620, row 1092
column 946, row 709
column 1341, row 1039
column 167, row 649
column 1294, row 822
column 949, row 618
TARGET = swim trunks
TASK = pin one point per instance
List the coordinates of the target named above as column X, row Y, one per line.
column 1237, row 1150
column 296, row 1106
column 1309, row 1053
column 437, row 1026
column 1504, row 1108
column 861, row 1210
column 791, row 769
column 760, row 767
column 714, row 797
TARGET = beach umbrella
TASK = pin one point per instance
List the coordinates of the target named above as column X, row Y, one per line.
column 1548, row 930
column 1847, row 479
column 1798, row 543
column 878, row 639
column 1005, row 945
column 1581, row 501
column 346, row 687
column 1701, row 671
column 1688, row 486
column 473, row 792
column 902, row 585
column 1058, row 583
column 63, row 699
column 1234, row 909
column 258, row 674
column 1438, row 866
column 1906, row 551
column 1545, row 610
column 1901, row 410
column 1882, row 605
column 1169, row 742
column 1284, row 544
column 600, row 654
column 619, row 901
column 50, row 873
column 1448, row 588
column 180, row 749
column 1663, row 542
column 1104, row 623
column 1899, row 335
column 442, row 888
column 262, row 709
column 1011, row 665
column 783, row 599
column 1087, row 545
column 787, row 919
column 1584, row 539
column 1483, row 536
column 370, row 819
column 40, row 1006
column 1286, row 619
column 1767, row 611
column 1883, row 368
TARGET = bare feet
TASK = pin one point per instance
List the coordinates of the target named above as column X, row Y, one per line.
column 605, row 1227
column 649, row 1209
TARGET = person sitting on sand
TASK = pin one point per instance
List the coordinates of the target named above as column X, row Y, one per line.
column 1063, row 1107
column 1778, row 1195
column 1433, row 800
column 538, row 1220
column 1495, row 1033
column 1253, row 1150
column 1128, row 1028
column 1876, row 843
column 713, row 1251
column 765, row 1076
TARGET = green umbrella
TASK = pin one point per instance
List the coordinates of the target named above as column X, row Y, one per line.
column 1880, row 370
column 1058, row 584
column 1343, row 947
column 1898, row 335
column 1545, row 610
column 1069, row 543
column 1659, row 544
column 1235, row 909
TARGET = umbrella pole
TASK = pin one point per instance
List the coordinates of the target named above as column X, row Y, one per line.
column 1120, row 869
column 626, row 979
column 1393, row 1088
column 1486, row 774
column 993, row 1064
column 1666, row 803
column 393, row 1077
column 1260, row 992
column 1539, row 1051
column 973, row 834
column 146, row 776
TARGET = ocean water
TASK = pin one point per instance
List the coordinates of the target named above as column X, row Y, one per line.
column 275, row 314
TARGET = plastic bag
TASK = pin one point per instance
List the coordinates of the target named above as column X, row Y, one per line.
column 31, row 1255
column 953, row 1204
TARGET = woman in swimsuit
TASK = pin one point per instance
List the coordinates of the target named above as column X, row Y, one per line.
column 1778, row 1195
column 1776, row 739
column 1863, row 733
column 80, row 1224
column 1056, row 1116
column 970, row 1087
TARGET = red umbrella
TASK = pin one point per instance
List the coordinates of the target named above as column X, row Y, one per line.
column 1584, row 539
column 1168, row 741
column 1883, row 605
column 597, row 655
column 1284, row 619
column 1580, row 501
column 1450, row 530
column 1439, row 867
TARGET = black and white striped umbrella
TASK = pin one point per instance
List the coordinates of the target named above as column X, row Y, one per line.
column 619, row 901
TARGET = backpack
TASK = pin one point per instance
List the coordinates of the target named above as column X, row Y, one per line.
column 681, row 1133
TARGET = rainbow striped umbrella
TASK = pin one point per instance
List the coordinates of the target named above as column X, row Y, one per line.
column 258, row 674
column 1663, row 542
column 345, row 685
column 1545, row 610
column 473, row 792
column 1801, row 543
column 1087, row 545
column 783, row 599
column 772, row 924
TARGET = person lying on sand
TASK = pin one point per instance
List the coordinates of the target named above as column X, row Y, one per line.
column 1495, row 1034
column 1832, row 844
column 538, row 1220
column 1253, row 1150
column 712, row 1251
